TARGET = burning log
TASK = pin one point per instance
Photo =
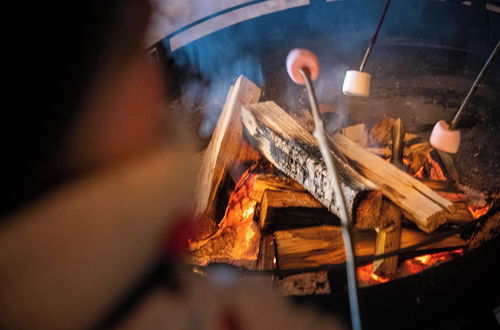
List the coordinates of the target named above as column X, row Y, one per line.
column 356, row 133
column 267, row 258
column 389, row 232
column 381, row 152
column 290, row 209
column 416, row 155
column 420, row 204
column 460, row 215
column 236, row 240
column 449, row 165
column 365, row 220
column 265, row 182
column 488, row 231
column 286, row 209
column 437, row 185
column 381, row 132
column 410, row 138
column 295, row 152
column 397, row 143
column 322, row 245
column 225, row 146
column 388, row 239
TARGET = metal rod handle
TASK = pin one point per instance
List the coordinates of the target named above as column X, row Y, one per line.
column 320, row 135
column 475, row 85
column 374, row 37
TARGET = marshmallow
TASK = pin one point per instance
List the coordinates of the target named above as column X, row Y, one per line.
column 299, row 58
column 445, row 139
column 357, row 83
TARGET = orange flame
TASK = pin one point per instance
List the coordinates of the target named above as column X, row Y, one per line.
column 424, row 259
column 412, row 266
column 379, row 279
column 420, row 173
column 436, row 172
column 430, row 260
column 237, row 238
column 478, row 212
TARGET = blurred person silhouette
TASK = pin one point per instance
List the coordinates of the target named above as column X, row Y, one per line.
column 94, row 172
column 96, row 176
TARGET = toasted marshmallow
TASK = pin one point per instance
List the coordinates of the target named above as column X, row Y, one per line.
column 302, row 59
column 357, row 83
column 444, row 138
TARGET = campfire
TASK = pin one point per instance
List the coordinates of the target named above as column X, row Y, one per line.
column 404, row 197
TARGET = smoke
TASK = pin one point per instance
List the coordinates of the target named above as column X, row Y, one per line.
column 338, row 32
column 218, row 60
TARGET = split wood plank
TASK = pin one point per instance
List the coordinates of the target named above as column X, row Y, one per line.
column 388, row 239
column 420, row 204
column 389, row 231
column 225, row 146
column 322, row 245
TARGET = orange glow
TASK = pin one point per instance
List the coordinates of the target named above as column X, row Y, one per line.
column 379, row 279
column 406, row 160
column 436, row 172
column 478, row 212
column 366, row 277
column 429, row 260
column 237, row 238
column 407, row 267
column 420, row 173
column 424, row 259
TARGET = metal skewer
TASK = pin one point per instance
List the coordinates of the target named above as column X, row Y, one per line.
column 446, row 138
column 320, row 135
column 358, row 83
column 475, row 85
column 374, row 37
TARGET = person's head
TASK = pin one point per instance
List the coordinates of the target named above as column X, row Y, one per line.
column 82, row 92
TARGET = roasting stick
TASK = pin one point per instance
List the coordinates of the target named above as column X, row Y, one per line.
column 447, row 138
column 303, row 68
column 357, row 83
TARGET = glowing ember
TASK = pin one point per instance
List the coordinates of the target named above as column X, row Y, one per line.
column 478, row 212
column 436, row 172
column 237, row 239
column 412, row 266
column 366, row 277
column 420, row 173
column 379, row 278
column 424, row 259
column 430, row 260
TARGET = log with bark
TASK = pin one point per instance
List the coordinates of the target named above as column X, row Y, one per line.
column 283, row 142
column 292, row 150
column 322, row 245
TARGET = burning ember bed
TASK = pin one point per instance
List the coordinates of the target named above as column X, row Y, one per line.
column 272, row 223
column 406, row 200
column 424, row 222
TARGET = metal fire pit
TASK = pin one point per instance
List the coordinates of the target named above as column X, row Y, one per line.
column 426, row 58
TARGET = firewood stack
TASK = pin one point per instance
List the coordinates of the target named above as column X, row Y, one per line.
column 397, row 189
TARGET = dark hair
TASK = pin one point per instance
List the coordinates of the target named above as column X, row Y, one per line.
column 54, row 51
